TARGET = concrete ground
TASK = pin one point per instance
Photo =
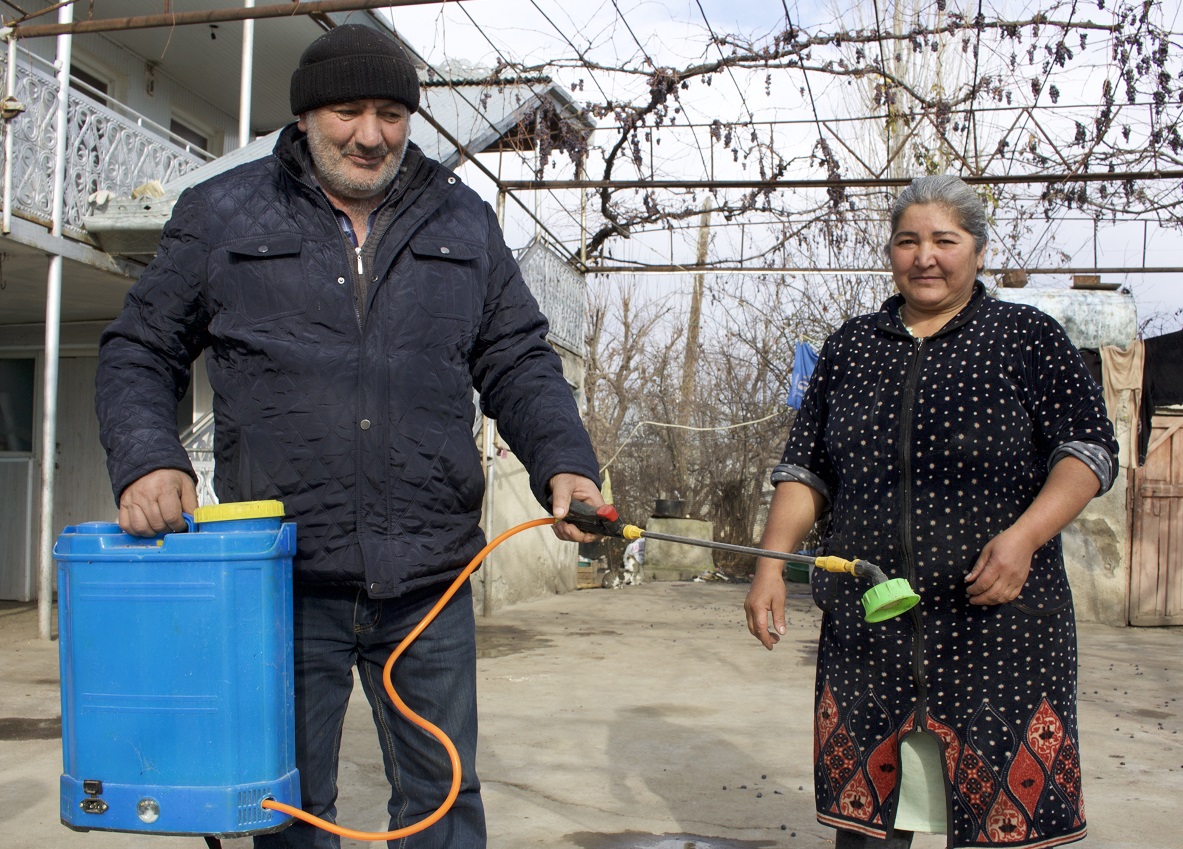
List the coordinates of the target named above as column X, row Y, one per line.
column 646, row 718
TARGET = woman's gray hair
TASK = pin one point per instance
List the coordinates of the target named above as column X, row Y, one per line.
column 953, row 194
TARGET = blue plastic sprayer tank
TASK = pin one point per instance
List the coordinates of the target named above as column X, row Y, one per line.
column 176, row 674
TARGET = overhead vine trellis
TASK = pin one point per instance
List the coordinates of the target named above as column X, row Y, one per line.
column 1067, row 114
column 1071, row 113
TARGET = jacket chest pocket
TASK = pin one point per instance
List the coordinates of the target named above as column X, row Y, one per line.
column 263, row 278
column 446, row 275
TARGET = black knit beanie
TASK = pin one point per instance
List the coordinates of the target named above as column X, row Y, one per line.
column 353, row 62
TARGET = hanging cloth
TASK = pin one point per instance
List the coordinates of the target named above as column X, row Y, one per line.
column 1162, row 381
column 804, row 361
column 1121, row 370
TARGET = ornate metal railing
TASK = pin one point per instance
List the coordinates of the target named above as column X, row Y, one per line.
column 561, row 292
column 198, row 440
column 105, row 150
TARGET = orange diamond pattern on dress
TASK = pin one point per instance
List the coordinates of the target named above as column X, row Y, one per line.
column 908, row 725
column 883, row 767
column 950, row 742
column 827, row 717
column 1045, row 735
column 1025, row 780
column 1006, row 823
column 855, row 800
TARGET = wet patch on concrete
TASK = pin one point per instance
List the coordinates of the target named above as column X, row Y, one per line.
column 26, row 728
column 638, row 840
column 1148, row 713
column 665, row 711
column 503, row 640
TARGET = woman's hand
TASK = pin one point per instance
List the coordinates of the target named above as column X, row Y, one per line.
column 1001, row 570
column 793, row 511
column 766, row 596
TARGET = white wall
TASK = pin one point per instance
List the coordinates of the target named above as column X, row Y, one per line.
column 533, row 563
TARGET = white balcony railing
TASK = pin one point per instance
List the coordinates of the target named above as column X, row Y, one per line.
column 107, row 150
column 561, row 292
column 198, row 440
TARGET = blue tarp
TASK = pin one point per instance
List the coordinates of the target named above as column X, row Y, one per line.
column 804, row 360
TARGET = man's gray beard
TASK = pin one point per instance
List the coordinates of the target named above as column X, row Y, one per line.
column 328, row 160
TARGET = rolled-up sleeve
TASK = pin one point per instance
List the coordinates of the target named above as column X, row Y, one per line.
column 1069, row 407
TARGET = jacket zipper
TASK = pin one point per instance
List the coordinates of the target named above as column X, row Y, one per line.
column 409, row 203
column 907, row 414
column 323, row 202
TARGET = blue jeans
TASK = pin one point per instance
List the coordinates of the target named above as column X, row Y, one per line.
column 337, row 628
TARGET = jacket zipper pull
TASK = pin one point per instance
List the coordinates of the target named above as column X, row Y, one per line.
column 360, row 269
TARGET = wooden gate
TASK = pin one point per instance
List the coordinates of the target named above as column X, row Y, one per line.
column 1156, row 563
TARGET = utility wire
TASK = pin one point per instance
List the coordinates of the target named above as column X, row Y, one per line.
column 639, row 425
column 624, row 21
column 582, row 58
column 883, row 80
column 649, row 61
column 550, row 192
column 730, row 73
column 805, row 77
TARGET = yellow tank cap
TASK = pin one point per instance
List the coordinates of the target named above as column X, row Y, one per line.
column 238, row 510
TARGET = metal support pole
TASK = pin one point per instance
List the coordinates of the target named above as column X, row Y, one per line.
column 487, row 566
column 53, row 315
column 537, row 171
column 489, row 437
column 582, row 174
column 247, row 78
column 10, row 91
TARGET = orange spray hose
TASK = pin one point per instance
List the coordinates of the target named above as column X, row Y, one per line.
column 415, row 718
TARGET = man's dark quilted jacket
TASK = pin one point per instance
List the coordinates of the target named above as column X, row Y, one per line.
column 362, row 427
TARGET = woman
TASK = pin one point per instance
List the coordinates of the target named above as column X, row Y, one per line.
column 951, row 436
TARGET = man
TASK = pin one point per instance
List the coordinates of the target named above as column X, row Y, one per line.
column 349, row 294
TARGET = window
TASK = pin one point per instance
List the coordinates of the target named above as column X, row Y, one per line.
column 193, row 137
column 93, row 87
column 16, row 404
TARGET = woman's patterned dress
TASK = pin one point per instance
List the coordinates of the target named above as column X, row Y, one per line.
column 929, row 448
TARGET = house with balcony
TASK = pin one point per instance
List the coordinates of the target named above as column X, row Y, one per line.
column 150, row 110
